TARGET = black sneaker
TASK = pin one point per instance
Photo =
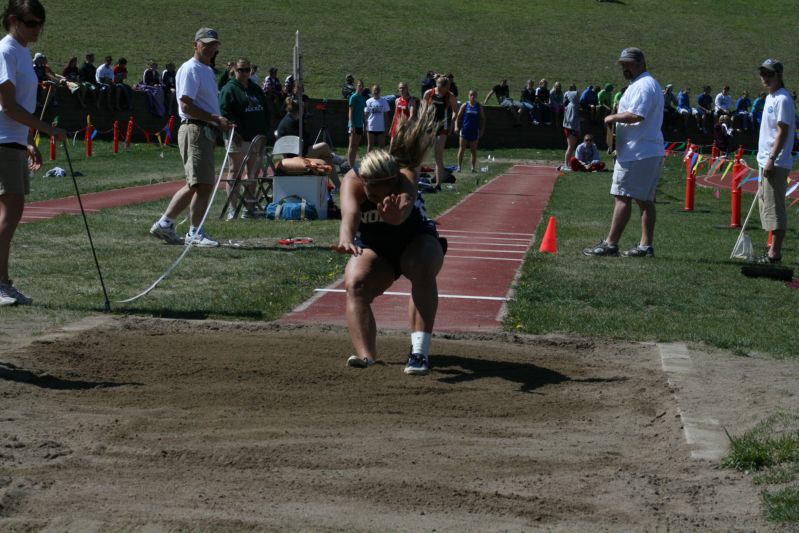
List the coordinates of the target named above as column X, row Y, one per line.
column 603, row 248
column 639, row 251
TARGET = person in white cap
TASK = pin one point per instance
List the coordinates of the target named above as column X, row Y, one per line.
column 200, row 118
column 777, row 130
column 639, row 160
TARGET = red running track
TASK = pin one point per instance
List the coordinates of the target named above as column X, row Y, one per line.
column 489, row 234
column 93, row 202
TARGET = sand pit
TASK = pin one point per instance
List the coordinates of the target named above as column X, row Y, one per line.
column 173, row 425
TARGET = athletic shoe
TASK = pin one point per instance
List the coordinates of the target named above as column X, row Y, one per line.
column 417, row 365
column 231, row 214
column 602, row 249
column 9, row 292
column 356, row 362
column 639, row 251
column 201, row 240
column 166, row 234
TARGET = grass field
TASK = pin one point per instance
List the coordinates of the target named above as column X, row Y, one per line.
column 687, row 42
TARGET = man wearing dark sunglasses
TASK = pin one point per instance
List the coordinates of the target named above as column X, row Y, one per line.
column 774, row 158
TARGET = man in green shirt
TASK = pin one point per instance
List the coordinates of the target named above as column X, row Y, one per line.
column 243, row 103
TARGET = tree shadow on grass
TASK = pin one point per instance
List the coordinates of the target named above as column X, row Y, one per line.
column 527, row 375
column 9, row 372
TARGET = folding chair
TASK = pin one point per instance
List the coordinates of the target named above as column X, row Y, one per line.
column 254, row 190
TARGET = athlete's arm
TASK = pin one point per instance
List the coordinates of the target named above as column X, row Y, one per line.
column 458, row 118
column 351, row 188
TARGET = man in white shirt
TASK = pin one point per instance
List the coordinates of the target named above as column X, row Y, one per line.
column 777, row 130
column 639, row 146
column 105, row 81
column 200, row 118
column 723, row 102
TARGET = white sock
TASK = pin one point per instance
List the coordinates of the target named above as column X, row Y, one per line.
column 420, row 342
column 165, row 221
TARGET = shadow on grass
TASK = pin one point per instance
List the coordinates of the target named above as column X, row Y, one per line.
column 464, row 369
column 9, row 372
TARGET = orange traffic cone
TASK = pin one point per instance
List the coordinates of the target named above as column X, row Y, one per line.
column 548, row 243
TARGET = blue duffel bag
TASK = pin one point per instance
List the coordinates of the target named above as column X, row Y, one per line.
column 291, row 208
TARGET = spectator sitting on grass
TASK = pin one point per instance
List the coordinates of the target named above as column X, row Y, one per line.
column 723, row 102
column 150, row 75
column 742, row 111
column 722, row 133
column 704, row 110
column 105, row 80
column 684, row 108
column 71, row 74
column 542, row 103
column 502, row 92
column 757, row 108
column 588, row 103
column 556, row 101
column 669, row 108
column 349, row 86
column 168, row 83
column 586, row 158
column 120, row 75
column 428, row 82
column 527, row 101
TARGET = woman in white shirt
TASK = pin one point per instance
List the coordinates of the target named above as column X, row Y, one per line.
column 376, row 111
column 23, row 20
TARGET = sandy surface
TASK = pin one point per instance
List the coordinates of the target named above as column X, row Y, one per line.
column 163, row 425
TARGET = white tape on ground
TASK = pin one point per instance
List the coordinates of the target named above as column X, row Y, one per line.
column 704, row 433
column 453, row 296
column 190, row 244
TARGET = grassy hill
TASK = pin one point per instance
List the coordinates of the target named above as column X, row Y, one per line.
column 687, row 42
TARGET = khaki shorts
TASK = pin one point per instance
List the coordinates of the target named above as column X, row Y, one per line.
column 637, row 179
column 14, row 176
column 773, row 214
column 197, row 145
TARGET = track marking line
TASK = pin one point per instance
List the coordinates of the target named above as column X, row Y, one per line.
column 702, row 432
column 444, row 230
column 450, row 296
column 487, row 251
column 473, row 257
column 507, row 245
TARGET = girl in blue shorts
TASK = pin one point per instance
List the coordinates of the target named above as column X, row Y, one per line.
column 384, row 228
column 471, row 129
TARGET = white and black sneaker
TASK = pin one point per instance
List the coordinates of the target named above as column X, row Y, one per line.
column 639, row 251
column 9, row 295
column 417, row 365
column 602, row 249
column 359, row 362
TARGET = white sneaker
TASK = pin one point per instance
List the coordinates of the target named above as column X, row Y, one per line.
column 9, row 295
column 201, row 240
column 166, row 234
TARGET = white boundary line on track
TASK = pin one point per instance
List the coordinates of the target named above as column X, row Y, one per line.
column 445, row 231
column 487, row 251
column 498, row 244
column 449, row 296
column 477, row 257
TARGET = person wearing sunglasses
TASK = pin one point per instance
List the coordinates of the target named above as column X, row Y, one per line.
column 23, row 20
column 385, row 230
column 243, row 103
column 777, row 130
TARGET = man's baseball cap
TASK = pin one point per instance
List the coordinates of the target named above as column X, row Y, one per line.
column 38, row 55
column 773, row 65
column 631, row 54
column 206, row 35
